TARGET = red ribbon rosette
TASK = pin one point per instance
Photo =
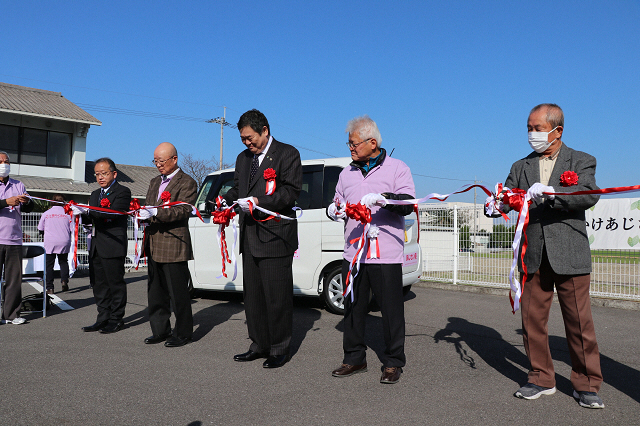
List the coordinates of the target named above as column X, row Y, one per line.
column 105, row 203
column 165, row 196
column 135, row 204
column 569, row 178
column 359, row 212
column 270, row 177
column 515, row 198
column 223, row 218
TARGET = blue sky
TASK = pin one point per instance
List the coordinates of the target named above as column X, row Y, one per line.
column 450, row 84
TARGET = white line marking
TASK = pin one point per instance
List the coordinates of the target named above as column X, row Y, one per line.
column 54, row 299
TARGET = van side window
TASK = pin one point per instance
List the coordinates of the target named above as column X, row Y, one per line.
column 310, row 190
column 204, row 190
column 331, row 175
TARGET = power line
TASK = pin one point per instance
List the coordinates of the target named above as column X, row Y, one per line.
column 123, row 111
column 443, row 178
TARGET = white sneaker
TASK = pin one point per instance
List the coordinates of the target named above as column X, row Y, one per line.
column 18, row 320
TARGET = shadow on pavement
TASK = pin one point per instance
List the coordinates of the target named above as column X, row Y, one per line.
column 488, row 344
column 616, row 374
column 208, row 318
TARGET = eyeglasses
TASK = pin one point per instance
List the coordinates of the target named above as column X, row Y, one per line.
column 161, row 162
column 352, row 145
column 105, row 174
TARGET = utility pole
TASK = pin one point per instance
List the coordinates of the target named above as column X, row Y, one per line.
column 223, row 122
column 475, row 214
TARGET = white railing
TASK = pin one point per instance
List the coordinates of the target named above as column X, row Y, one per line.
column 459, row 251
column 30, row 234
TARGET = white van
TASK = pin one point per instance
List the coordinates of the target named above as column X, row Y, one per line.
column 317, row 262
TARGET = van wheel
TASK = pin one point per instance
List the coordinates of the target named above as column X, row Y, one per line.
column 332, row 291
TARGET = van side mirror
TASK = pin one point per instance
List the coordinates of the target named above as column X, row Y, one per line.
column 204, row 209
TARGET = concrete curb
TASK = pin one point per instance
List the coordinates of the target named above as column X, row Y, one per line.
column 595, row 301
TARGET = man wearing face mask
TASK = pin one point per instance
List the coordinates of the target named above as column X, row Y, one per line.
column 13, row 202
column 557, row 255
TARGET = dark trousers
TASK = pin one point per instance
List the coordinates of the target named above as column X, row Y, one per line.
column 64, row 267
column 385, row 280
column 268, row 302
column 109, row 290
column 167, row 290
column 11, row 259
column 575, row 304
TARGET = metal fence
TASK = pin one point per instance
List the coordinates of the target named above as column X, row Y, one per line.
column 460, row 248
column 30, row 234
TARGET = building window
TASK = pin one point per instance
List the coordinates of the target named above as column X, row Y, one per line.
column 37, row 147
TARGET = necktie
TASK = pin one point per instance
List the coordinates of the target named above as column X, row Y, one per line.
column 101, row 194
column 254, row 167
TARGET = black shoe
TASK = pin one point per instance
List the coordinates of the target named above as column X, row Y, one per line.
column 113, row 327
column 175, row 342
column 275, row 361
column 99, row 325
column 152, row 340
column 249, row 356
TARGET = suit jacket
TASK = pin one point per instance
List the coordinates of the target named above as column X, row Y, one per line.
column 270, row 238
column 558, row 224
column 167, row 237
column 110, row 239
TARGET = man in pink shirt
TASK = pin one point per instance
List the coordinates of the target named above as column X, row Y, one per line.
column 13, row 201
column 372, row 178
column 57, row 227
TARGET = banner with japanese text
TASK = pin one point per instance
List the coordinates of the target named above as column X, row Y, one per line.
column 614, row 224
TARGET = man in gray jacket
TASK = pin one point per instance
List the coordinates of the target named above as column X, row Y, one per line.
column 557, row 255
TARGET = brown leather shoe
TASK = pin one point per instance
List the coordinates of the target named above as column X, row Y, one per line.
column 347, row 370
column 50, row 291
column 65, row 286
column 391, row 375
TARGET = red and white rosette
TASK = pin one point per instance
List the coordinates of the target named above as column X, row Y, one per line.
column 78, row 222
column 361, row 213
column 135, row 207
column 223, row 216
column 270, row 176
column 374, row 248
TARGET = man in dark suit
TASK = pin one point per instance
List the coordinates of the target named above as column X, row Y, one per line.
column 557, row 255
column 267, row 247
column 168, row 248
column 108, row 246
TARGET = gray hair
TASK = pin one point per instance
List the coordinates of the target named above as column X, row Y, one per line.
column 555, row 116
column 2, row 152
column 366, row 128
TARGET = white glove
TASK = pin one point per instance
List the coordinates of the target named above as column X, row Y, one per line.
column 336, row 212
column 492, row 207
column 373, row 199
column 244, row 204
column 148, row 212
column 537, row 189
column 77, row 210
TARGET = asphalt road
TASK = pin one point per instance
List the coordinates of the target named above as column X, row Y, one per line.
column 464, row 361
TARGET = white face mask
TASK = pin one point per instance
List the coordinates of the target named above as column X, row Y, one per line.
column 539, row 141
column 5, row 169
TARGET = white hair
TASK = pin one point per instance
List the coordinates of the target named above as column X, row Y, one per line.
column 366, row 128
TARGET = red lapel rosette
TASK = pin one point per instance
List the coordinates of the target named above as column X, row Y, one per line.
column 105, row 203
column 165, row 196
column 569, row 178
column 270, row 177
